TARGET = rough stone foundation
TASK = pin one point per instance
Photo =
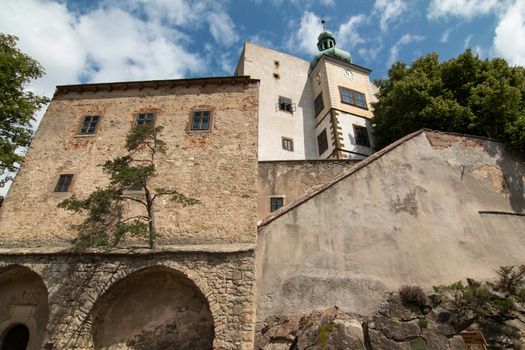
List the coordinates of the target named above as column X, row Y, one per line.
column 84, row 292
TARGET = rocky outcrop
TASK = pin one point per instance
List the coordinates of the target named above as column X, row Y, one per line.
column 395, row 326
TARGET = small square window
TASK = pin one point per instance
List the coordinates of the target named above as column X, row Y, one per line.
column 276, row 63
column 285, row 104
column 201, row 120
column 287, row 144
column 322, row 142
column 89, row 125
column 145, row 119
column 276, row 76
column 318, row 104
column 136, row 187
column 361, row 136
column 64, row 181
column 276, row 203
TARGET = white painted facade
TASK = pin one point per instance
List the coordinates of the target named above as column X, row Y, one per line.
column 283, row 75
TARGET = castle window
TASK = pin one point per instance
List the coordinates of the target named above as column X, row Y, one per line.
column 136, row 187
column 64, row 181
column 287, row 144
column 352, row 97
column 89, row 125
column 322, row 142
column 276, row 76
column 285, row 104
column 145, row 119
column 318, row 104
column 276, row 203
column 361, row 136
column 201, row 120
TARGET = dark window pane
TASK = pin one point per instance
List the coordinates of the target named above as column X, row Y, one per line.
column 205, row 122
column 201, row 120
column 318, row 104
column 359, row 99
column 63, row 183
column 276, row 203
column 287, row 144
column 352, row 97
column 346, row 96
column 285, row 104
column 361, row 136
column 145, row 119
column 136, row 187
column 89, row 125
column 322, row 142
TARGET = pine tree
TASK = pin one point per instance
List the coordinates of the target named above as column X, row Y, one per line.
column 106, row 223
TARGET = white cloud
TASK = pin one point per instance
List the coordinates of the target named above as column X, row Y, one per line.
column 106, row 44
column 467, row 41
column 347, row 36
column 303, row 4
column 444, row 37
column 389, row 11
column 509, row 34
column 305, row 38
column 405, row 40
column 370, row 52
column 462, row 8
column 222, row 28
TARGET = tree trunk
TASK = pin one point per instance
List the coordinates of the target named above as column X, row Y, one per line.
column 152, row 230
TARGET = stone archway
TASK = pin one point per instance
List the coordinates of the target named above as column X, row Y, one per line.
column 155, row 308
column 24, row 309
column 15, row 338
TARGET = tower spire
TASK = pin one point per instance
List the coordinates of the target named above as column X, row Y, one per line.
column 323, row 22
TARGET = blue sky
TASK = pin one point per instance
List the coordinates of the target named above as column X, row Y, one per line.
column 118, row 40
column 115, row 40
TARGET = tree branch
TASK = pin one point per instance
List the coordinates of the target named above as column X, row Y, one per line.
column 134, row 199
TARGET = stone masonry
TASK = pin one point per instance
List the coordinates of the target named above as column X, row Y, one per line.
column 206, row 249
column 75, row 282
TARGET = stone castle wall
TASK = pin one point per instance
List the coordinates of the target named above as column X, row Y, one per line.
column 218, row 167
column 197, row 289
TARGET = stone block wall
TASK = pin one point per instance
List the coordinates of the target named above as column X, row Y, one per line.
column 217, row 167
column 75, row 282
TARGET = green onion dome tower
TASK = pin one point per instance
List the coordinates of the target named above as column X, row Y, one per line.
column 326, row 47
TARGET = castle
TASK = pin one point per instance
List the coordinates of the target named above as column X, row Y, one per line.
column 296, row 211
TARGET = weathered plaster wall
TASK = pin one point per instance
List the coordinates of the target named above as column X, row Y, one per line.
column 260, row 63
column 292, row 179
column 209, row 166
column 79, row 301
column 412, row 214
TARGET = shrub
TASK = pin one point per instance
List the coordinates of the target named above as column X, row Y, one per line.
column 423, row 323
column 413, row 295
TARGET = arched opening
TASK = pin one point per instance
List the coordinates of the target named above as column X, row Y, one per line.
column 24, row 309
column 16, row 338
column 155, row 308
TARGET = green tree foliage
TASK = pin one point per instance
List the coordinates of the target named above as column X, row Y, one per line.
column 489, row 306
column 17, row 105
column 464, row 95
column 106, row 223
